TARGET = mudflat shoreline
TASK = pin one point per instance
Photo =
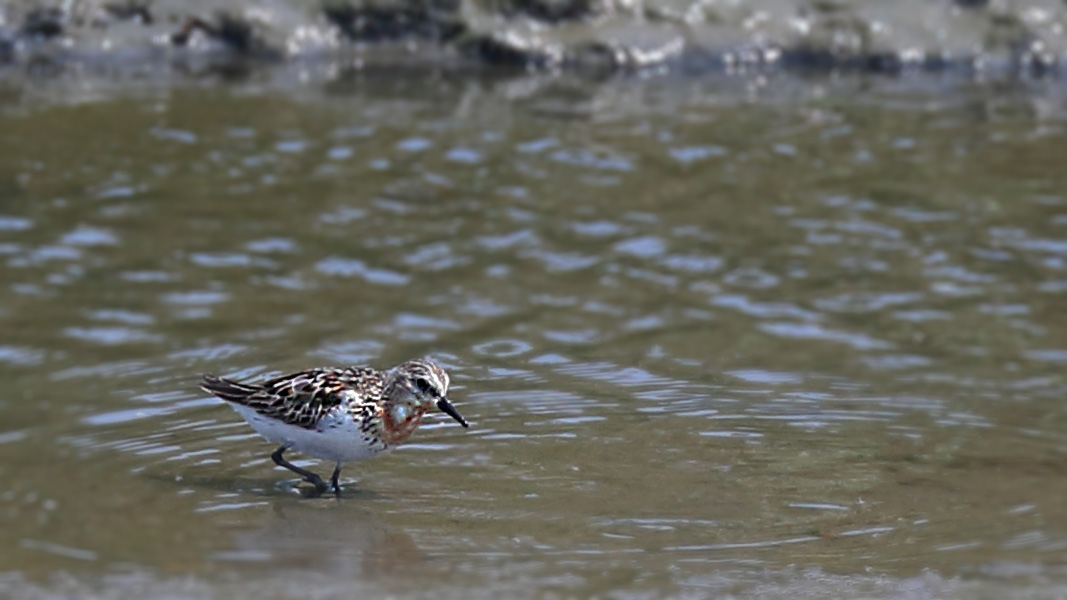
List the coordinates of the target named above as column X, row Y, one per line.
column 607, row 35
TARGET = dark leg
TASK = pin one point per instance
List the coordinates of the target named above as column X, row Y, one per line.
column 307, row 475
column 333, row 479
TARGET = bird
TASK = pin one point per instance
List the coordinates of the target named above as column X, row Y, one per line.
column 341, row 414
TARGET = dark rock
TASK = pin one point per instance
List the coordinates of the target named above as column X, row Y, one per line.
column 550, row 11
column 499, row 51
column 823, row 59
column 43, row 23
column 130, row 10
column 382, row 23
column 234, row 33
column 7, row 47
column 494, row 51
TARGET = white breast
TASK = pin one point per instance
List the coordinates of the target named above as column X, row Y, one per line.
column 337, row 438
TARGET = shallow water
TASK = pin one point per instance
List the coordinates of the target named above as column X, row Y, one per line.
column 722, row 337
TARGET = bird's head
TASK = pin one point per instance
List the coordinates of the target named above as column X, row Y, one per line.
column 416, row 387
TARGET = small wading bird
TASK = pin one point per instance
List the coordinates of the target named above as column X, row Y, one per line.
column 342, row 414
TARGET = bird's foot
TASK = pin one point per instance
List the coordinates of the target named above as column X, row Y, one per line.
column 320, row 485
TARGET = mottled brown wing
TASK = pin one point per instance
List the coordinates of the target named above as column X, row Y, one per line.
column 302, row 399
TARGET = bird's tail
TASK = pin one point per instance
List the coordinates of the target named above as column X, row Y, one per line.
column 227, row 389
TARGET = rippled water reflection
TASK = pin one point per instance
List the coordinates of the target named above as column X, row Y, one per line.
column 708, row 345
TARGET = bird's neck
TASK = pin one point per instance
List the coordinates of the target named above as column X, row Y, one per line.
column 400, row 418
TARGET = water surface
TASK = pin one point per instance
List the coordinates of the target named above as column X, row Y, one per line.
column 775, row 338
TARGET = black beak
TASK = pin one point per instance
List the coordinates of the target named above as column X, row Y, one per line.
column 447, row 408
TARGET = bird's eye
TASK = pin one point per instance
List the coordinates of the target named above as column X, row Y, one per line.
column 424, row 386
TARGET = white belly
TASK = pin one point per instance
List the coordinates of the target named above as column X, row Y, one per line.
column 342, row 442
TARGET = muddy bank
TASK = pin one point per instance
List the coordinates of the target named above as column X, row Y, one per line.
column 979, row 36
